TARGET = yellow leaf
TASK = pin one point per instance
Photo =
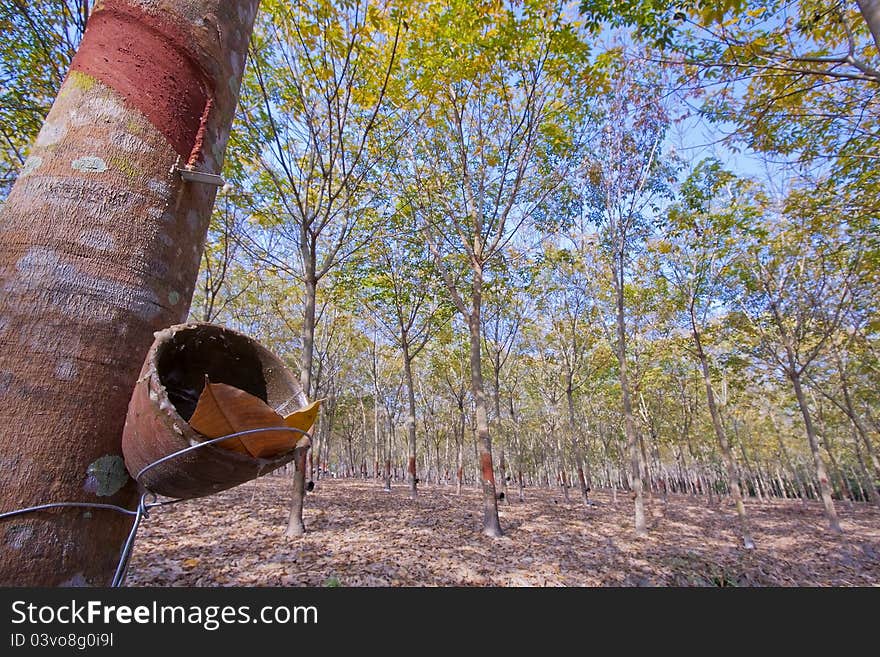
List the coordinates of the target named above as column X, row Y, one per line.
column 304, row 418
column 223, row 409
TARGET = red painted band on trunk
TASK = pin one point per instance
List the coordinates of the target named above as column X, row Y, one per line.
column 486, row 468
column 145, row 62
column 412, row 466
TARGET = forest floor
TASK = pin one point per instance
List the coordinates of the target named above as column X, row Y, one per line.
column 358, row 535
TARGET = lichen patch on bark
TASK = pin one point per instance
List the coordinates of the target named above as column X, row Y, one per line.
column 31, row 164
column 106, row 476
column 89, row 164
column 50, row 133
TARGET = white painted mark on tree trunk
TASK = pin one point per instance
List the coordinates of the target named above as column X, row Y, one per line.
column 89, row 164
column 173, row 298
column 31, row 164
column 66, row 370
column 97, row 239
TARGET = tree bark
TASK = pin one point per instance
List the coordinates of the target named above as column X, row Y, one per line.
column 410, row 419
column 502, row 469
column 295, row 519
column 721, row 436
column 491, row 523
column 801, row 489
column 295, row 525
column 865, row 477
column 857, row 421
column 870, row 10
column 632, row 442
column 575, row 440
column 100, row 246
column 821, row 474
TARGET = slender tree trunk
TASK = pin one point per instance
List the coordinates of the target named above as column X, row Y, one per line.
column 783, row 493
column 721, row 436
column 801, row 489
column 460, row 457
column 446, row 477
column 376, row 438
column 836, row 470
column 502, row 469
column 100, row 246
column 561, row 467
column 514, row 419
column 821, row 474
column 870, row 10
column 632, row 442
column 295, row 526
column 410, row 420
column 865, row 476
column 388, row 449
column 439, row 477
column 575, row 440
column 364, row 449
column 496, row 399
column 491, row 523
column 307, row 335
column 857, row 421
column 459, row 475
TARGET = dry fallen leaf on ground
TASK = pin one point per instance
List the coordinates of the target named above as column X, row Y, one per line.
column 358, row 535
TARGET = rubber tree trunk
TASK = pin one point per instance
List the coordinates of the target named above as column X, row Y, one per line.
column 632, row 442
column 721, row 436
column 861, row 428
column 865, row 477
column 813, row 440
column 410, row 422
column 491, row 522
column 870, row 10
column 576, row 442
column 502, row 463
column 502, row 468
column 100, row 246
column 295, row 524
